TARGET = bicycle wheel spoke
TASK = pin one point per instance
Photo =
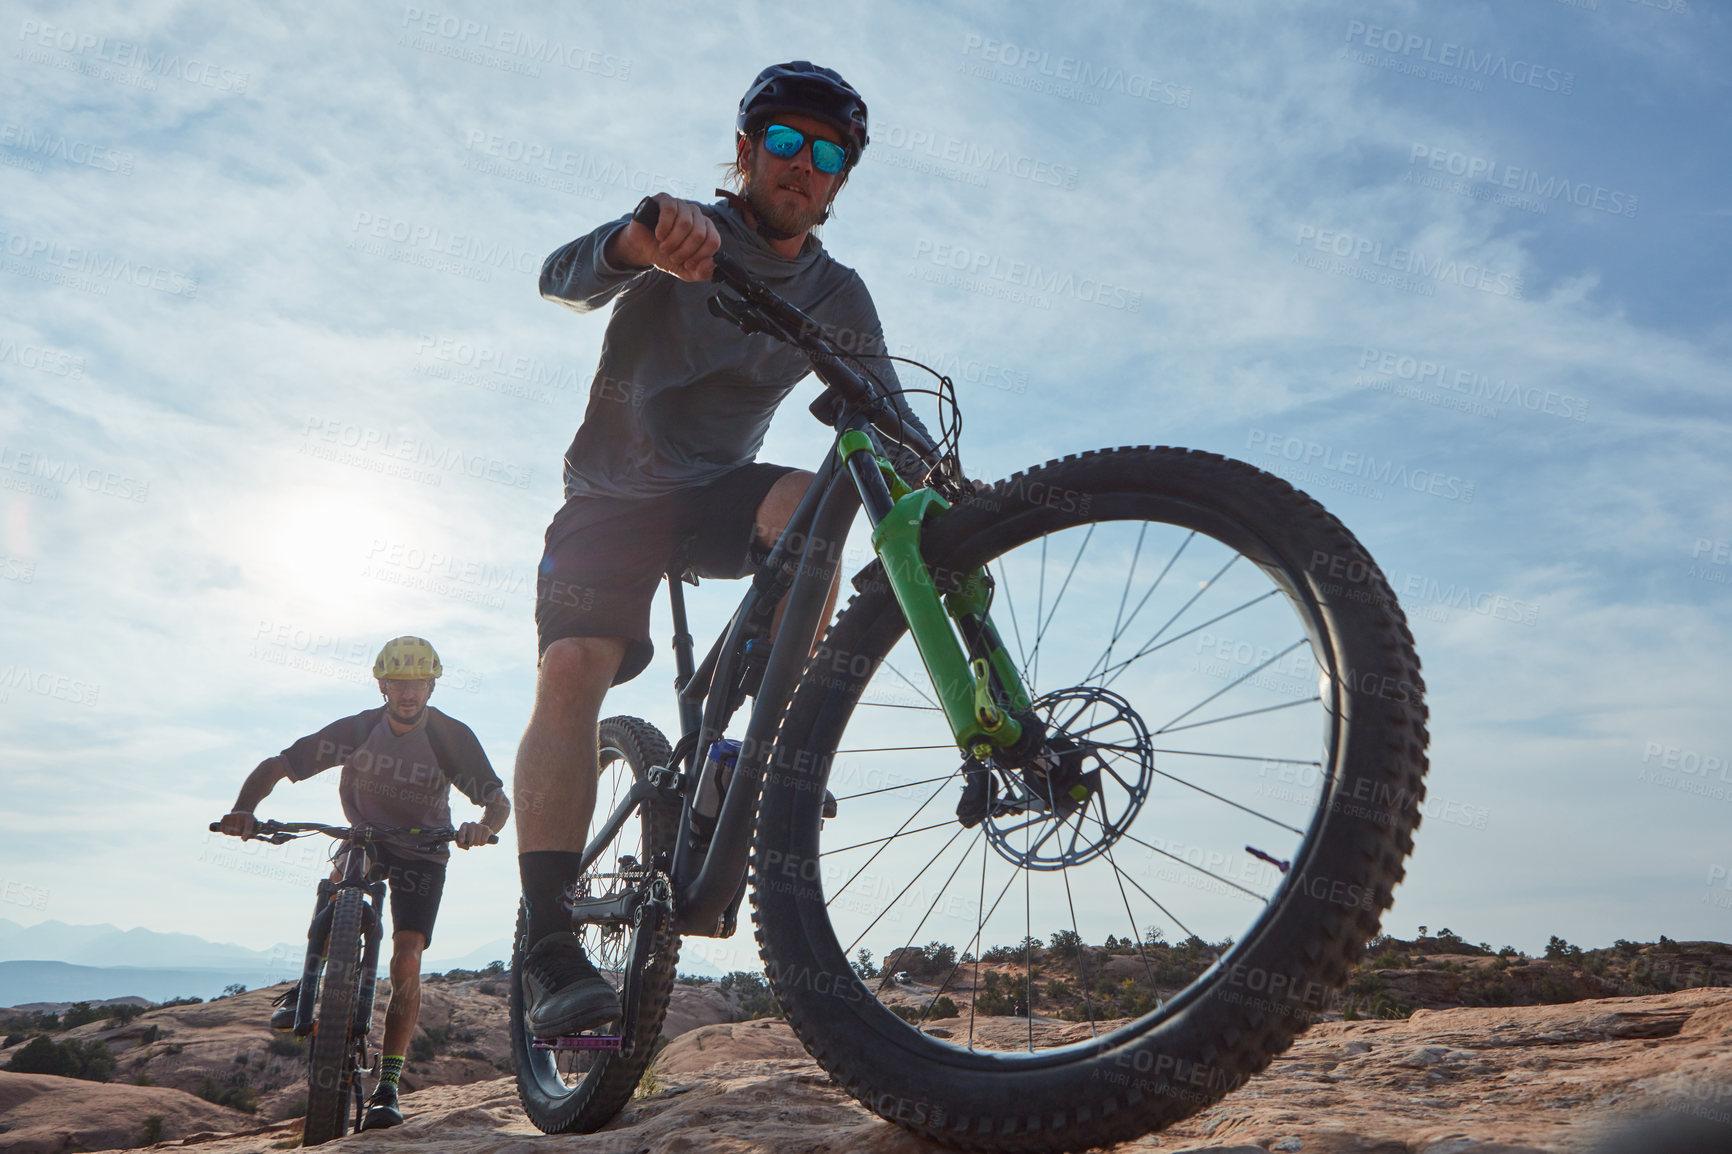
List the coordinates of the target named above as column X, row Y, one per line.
column 1231, row 685
column 1188, row 865
column 930, row 704
column 891, row 904
column 1082, row 949
column 1225, row 800
column 1237, row 716
column 1098, row 669
column 1145, row 649
column 1058, row 597
column 894, row 788
column 1177, row 637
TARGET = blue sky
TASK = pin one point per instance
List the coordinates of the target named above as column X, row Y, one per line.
column 257, row 263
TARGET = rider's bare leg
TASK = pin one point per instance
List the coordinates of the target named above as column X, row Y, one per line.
column 554, row 785
column 405, row 1006
column 774, row 511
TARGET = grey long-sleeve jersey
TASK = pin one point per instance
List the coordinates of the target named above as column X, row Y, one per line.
column 681, row 396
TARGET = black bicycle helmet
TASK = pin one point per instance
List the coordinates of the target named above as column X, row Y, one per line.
column 806, row 88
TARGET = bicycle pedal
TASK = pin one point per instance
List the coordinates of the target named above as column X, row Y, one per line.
column 580, row 1042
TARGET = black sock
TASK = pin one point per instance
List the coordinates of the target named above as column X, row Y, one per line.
column 546, row 874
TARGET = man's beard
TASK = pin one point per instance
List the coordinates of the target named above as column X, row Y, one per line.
column 782, row 223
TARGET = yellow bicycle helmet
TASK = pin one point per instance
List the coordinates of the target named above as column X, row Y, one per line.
column 406, row 659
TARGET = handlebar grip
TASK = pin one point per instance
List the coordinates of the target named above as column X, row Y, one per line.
column 216, row 827
column 648, row 212
column 494, row 840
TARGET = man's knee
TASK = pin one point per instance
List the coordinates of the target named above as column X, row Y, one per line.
column 779, row 504
column 578, row 665
column 406, row 947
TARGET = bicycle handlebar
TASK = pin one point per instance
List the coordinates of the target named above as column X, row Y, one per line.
column 760, row 309
column 278, row 832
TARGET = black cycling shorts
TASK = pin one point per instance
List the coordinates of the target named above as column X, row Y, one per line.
column 416, row 886
column 606, row 556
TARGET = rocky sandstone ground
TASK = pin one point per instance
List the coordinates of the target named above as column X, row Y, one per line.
column 1504, row 1080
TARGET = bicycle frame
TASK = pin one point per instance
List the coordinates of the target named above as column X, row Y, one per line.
column 975, row 678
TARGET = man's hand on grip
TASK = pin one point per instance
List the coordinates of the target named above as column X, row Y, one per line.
column 683, row 242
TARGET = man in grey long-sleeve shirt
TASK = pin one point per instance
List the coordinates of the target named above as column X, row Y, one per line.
column 665, row 458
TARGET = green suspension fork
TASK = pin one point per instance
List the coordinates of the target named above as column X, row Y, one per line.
column 978, row 695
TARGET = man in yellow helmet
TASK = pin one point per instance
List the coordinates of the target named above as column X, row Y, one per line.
column 399, row 762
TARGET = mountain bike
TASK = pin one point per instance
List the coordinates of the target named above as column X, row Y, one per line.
column 1167, row 693
column 338, row 975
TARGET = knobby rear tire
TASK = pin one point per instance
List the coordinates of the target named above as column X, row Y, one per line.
column 1207, row 1038
column 331, row 1065
column 629, row 747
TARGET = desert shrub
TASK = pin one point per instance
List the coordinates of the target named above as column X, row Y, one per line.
column 944, row 1008
column 242, row 1098
column 80, row 1013
column 1553, row 991
column 122, row 1013
column 72, row 1058
column 937, row 958
column 285, row 1046
column 1067, row 943
column 297, row 1107
column 422, row 1048
column 233, row 989
column 151, row 1132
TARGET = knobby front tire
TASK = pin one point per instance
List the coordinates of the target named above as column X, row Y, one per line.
column 331, row 1061
column 581, row 1091
column 1242, row 715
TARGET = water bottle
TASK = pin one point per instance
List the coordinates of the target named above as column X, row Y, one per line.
column 712, row 785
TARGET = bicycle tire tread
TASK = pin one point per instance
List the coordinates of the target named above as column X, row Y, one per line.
column 1333, row 936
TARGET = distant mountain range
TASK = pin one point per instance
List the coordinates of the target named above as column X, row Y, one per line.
column 53, row 962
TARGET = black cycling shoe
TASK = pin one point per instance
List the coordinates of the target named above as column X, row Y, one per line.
column 382, row 1111
column 283, row 1017
column 562, row 992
